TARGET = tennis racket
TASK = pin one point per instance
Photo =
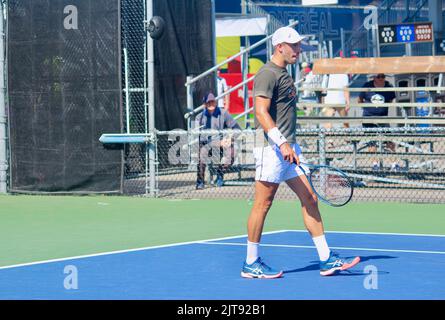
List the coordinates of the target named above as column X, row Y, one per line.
column 331, row 185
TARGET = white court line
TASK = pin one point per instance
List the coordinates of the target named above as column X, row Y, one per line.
column 198, row 242
column 128, row 250
column 313, row 247
column 377, row 233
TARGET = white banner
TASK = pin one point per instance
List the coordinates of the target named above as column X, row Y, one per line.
column 318, row 2
column 230, row 27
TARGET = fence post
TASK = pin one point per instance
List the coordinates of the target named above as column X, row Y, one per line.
column 3, row 157
column 245, row 71
column 151, row 104
column 322, row 146
column 342, row 41
column 189, row 94
column 189, row 120
column 151, row 159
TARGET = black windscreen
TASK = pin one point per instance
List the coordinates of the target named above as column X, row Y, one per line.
column 64, row 88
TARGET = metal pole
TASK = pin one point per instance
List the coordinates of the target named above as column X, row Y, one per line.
column 375, row 42
column 3, row 157
column 439, row 81
column 214, row 41
column 127, row 91
column 322, row 146
column 269, row 48
column 407, row 3
column 435, row 15
column 331, row 49
column 146, row 162
column 408, row 49
column 189, row 119
column 245, row 71
column 368, row 43
column 342, row 39
column 151, row 104
column 189, row 94
column 243, row 6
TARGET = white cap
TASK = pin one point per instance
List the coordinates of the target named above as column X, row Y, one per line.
column 286, row 34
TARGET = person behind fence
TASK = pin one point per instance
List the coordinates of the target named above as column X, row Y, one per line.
column 214, row 149
column 336, row 81
column 377, row 98
column 310, row 81
column 277, row 154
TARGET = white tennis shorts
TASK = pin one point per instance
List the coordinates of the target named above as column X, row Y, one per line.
column 271, row 167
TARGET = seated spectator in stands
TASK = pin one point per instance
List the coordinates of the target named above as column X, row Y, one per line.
column 214, row 118
column 377, row 97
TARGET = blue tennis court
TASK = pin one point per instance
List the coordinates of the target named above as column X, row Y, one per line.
column 394, row 266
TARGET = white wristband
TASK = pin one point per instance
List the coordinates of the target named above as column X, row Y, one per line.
column 275, row 135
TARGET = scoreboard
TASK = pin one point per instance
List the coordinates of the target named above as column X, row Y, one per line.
column 406, row 33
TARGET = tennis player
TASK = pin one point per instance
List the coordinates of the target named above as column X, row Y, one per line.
column 275, row 122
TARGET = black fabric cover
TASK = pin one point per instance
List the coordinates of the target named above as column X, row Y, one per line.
column 64, row 92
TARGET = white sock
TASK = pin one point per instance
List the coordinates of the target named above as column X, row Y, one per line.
column 252, row 251
column 322, row 247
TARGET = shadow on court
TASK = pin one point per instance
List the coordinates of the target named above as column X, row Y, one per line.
column 315, row 266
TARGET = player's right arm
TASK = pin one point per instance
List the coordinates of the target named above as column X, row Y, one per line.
column 262, row 106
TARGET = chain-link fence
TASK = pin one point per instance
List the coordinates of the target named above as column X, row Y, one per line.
column 134, row 85
column 404, row 164
column 391, row 164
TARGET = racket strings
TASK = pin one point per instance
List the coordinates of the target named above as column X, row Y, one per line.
column 331, row 186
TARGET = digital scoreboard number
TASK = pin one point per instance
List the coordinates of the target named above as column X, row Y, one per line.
column 423, row 32
column 405, row 33
column 387, row 34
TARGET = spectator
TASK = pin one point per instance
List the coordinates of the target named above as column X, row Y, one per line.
column 336, row 81
column 310, row 81
column 223, row 103
column 377, row 98
column 213, row 118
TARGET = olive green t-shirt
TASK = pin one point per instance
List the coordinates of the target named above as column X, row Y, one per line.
column 275, row 83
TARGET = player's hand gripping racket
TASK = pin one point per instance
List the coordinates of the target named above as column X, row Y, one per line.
column 331, row 185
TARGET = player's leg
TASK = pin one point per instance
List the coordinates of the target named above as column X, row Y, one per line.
column 309, row 206
column 329, row 262
column 267, row 179
column 254, row 267
column 264, row 195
